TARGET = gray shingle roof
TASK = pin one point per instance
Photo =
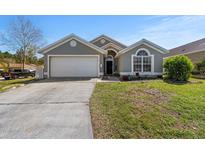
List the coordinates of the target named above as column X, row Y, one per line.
column 187, row 48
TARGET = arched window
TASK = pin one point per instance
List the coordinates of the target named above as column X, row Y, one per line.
column 142, row 61
column 142, row 53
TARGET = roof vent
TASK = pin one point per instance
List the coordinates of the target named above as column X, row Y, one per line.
column 73, row 43
column 102, row 41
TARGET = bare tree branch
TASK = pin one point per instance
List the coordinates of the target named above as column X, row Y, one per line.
column 22, row 35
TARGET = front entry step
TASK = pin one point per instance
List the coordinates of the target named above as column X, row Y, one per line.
column 110, row 78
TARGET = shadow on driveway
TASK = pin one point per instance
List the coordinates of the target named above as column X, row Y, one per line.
column 80, row 79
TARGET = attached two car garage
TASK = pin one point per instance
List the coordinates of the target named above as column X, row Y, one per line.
column 73, row 57
column 74, row 66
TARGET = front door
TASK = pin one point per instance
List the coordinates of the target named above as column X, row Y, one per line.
column 109, row 67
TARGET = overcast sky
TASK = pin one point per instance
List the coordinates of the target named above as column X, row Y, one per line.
column 166, row 31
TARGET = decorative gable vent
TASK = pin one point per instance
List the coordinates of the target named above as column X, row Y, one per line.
column 73, row 43
column 102, row 41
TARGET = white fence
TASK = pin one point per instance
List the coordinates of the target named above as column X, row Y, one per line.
column 39, row 73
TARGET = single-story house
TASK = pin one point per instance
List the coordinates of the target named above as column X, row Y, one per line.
column 194, row 50
column 73, row 56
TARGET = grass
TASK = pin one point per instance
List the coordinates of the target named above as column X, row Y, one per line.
column 8, row 84
column 149, row 109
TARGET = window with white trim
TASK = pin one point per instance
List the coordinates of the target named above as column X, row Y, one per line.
column 142, row 61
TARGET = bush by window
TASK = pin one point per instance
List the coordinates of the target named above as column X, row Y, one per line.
column 178, row 68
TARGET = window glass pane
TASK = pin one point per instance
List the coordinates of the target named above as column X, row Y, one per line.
column 142, row 53
column 146, row 64
column 137, row 62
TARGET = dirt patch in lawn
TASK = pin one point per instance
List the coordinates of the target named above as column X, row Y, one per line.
column 100, row 123
column 146, row 96
column 148, row 100
column 148, row 110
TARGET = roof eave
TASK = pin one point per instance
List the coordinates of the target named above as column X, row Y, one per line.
column 145, row 42
column 67, row 38
column 187, row 53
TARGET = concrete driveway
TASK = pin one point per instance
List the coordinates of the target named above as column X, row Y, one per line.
column 47, row 109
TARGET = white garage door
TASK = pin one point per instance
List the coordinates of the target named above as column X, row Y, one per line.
column 73, row 66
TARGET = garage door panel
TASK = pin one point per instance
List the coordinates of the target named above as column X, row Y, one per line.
column 74, row 66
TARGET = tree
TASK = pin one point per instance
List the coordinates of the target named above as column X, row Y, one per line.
column 22, row 36
column 31, row 57
column 5, row 59
column 5, row 64
column 178, row 68
column 18, row 56
column 5, row 54
column 40, row 61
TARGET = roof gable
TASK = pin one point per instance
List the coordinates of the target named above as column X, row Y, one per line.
column 145, row 42
column 67, row 39
column 112, row 46
column 109, row 40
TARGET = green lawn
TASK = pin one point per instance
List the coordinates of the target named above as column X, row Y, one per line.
column 7, row 84
column 149, row 109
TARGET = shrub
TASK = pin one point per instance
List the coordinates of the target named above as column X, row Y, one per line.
column 178, row 68
column 126, row 78
column 195, row 71
column 201, row 67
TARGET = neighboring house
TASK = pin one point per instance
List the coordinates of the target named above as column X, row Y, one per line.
column 194, row 50
column 73, row 56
